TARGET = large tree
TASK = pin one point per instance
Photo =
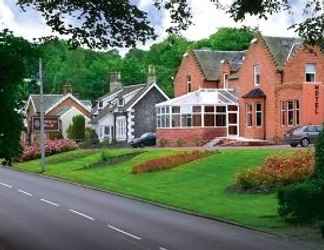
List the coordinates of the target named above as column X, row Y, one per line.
column 102, row 23
column 13, row 68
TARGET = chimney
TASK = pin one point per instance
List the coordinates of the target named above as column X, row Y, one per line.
column 151, row 74
column 115, row 82
column 67, row 88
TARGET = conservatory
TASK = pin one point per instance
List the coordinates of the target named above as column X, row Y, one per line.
column 214, row 111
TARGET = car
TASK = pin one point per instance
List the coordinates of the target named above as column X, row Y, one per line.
column 302, row 135
column 147, row 139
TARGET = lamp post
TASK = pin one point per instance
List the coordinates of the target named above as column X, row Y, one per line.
column 42, row 116
column 42, row 131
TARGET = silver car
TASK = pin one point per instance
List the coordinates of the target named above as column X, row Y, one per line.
column 303, row 135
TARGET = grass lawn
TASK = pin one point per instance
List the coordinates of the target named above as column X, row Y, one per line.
column 198, row 186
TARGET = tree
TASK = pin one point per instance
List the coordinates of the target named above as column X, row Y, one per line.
column 13, row 53
column 103, row 24
column 228, row 39
column 76, row 130
column 319, row 156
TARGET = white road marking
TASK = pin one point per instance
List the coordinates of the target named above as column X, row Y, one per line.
column 24, row 192
column 123, row 232
column 50, row 202
column 162, row 248
column 82, row 214
column 5, row 185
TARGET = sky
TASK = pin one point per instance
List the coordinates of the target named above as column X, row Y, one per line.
column 206, row 18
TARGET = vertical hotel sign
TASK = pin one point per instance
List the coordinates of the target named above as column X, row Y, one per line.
column 317, row 99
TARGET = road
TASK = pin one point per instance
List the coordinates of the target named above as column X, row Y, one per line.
column 41, row 214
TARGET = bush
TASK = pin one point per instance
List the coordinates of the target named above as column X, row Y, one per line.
column 163, row 142
column 52, row 147
column 55, row 135
column 76, row 130
column 319, row 156
column 180, row 142
column 91, row 139
column 277, row 171
column 302, row 202
column 169, row 161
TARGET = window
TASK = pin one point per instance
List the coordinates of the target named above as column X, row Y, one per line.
column 220, row 116
column 186, row 120
column 189, row 87
column 249, row 115
column 196, row 116
column 225, row 81
column 100, row 104
column 258, row 115
column 121, row 102
column 290, row 115
column 256, row 74
column 107, row 131
column 175, row 117
column 121, row 128
column 310, row 72
column 209, row 118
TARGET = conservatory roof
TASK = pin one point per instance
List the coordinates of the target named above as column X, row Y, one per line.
column 203, row 97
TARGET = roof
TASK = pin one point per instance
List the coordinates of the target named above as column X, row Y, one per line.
column 255, row 93
column 203, row 97
column 281, row 48
column 210, row 61
column 51, row 100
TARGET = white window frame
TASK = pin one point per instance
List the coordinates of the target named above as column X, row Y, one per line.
column 310, row 72
column 295, row 110
column 249, row 112
column 121, row 128
column 256, row 72
column 226, row 76
column 256, row 115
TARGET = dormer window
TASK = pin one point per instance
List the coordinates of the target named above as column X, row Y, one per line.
column 225, row 81
column 256, row 75
column 310, row 73
column 121, row 102
column 189, row 87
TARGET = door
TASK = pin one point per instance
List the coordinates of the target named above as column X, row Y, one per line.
column 232, row 120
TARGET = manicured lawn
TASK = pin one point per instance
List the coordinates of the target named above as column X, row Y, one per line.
column 199, row 186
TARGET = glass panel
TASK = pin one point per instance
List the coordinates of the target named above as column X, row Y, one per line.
column 209, row 120
column 232, row 108
column 290, row 117
column 232, row 130
column 310, row 68
column 258, row 107
column 232, row 118
column 175, row 109
column 196, row 109
column 196, row 120
column 220, row 120
column 175, row 121
column 186, row 120
column 259, row 119
column 221, row 109
column 209, row 109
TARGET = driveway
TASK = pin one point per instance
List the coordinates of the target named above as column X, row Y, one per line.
column 41, row 214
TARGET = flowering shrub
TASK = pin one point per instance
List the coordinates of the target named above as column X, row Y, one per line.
column 277, row 171
column 52, row 147
column 169, row 161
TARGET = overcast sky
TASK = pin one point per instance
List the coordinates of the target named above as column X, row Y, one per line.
column 207, row 19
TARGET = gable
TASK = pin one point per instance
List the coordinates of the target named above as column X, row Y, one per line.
column 65, row 103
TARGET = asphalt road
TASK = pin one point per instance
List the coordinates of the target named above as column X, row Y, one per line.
column 41, row 214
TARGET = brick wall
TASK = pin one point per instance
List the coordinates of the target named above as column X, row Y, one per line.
column 189, row 66
column 191, row 136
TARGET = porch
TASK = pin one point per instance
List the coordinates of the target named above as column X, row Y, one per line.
column 198, row 116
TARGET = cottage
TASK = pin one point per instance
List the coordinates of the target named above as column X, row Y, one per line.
column 59, row 109
column 127, row 112
column 258, row 94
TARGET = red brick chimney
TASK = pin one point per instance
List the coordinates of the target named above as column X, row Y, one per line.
column 67, row 88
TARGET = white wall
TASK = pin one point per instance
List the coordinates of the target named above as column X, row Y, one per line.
column 107, row 120
column 66, row 119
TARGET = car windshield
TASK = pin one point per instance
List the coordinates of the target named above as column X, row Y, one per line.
column 146, row 135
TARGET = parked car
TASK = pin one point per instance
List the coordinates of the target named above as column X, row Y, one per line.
column 147, row 139
column 303, row 135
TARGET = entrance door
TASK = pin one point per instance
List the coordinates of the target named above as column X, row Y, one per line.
column 232, row 120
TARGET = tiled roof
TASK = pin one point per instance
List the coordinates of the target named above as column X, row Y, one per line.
column 281, row 48
column 255, row 93
column 51, row 100
column 210, row 61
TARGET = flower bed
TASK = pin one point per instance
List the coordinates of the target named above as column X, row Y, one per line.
column 52, row 147
column 168, row 162
column 277, row 171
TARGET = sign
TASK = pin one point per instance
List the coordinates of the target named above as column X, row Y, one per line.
column 317, row 99
column 50, row 123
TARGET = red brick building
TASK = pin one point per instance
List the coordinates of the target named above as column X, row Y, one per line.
column 277, row 83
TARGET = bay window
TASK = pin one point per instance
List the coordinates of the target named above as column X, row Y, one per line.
column 249, row 115
column 258, row 114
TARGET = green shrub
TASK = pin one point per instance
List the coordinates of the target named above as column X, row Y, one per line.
column 277, row 171
column 91, row 139
column 180, row 142
column 303, row 202
column 319, row 156
column 76, row 130
column 163, row 142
